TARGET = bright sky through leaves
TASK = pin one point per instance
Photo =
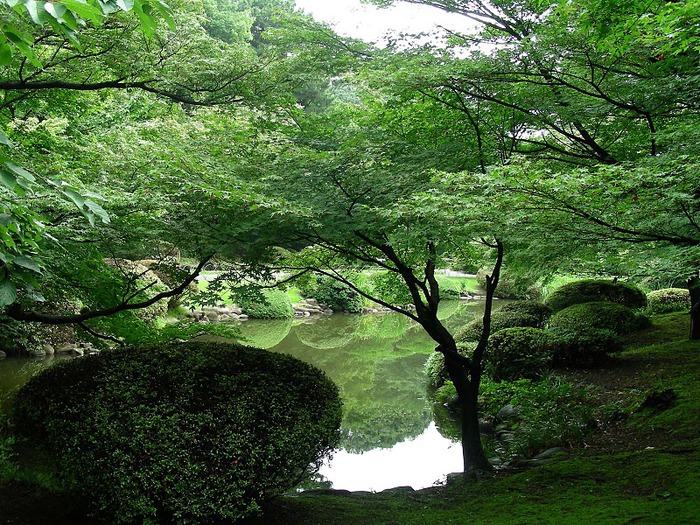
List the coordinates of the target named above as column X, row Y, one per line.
column 370, row 23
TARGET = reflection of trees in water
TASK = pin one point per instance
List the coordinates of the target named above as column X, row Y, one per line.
column 263, row 334
column 377, row 362
column 328, row 332
column 390, row 409
column 382, row 326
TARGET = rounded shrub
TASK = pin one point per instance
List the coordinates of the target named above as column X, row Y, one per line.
column 668, row 300
column 600, row 315
column 338, row 296
column 516, row 314
column 583, row 347
column 189, row 433
column 534, row 309
column 268, row 304
column 592, row 290
column 518, row 353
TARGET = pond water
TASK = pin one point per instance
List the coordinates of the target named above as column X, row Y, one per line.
column 392, row 435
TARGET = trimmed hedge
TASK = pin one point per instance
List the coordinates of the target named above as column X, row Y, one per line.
column 268, row 304
column 520, row 313
column 338, row 296
column 581, row 347
column 190, row 433
column 518, row 353
column 591, row 290
column 600, row 315
column 668, row 300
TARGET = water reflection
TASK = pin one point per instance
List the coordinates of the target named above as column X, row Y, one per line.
column 388, row 434
column 389, row 431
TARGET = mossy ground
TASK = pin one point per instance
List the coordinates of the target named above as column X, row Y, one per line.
column 642, row 466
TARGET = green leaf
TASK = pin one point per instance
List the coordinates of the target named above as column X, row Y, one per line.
column 24, row 48
column 36, row 11
column 84, row 10
column 27, row 38
column 8, row 179
column 28, row 263
column 20, row 172
column 74, row 196
column 125, row 5
column 5, row 55
column 8, row 292
column 4, row 140
column 166, row 12
column 97, row 210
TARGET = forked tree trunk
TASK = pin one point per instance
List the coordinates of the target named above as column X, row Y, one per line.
column 694, row 290
column 473, row 454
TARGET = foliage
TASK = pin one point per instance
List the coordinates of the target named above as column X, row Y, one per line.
column 338, row 296
column 518, row 353
column 188, row 433
column 264, row 304
column 449, row 288
column 590, row 290
column 550, row 412
column 512, row 285
column 583, row 346
column 598, row 315
column 520, row 313
column 668, row 300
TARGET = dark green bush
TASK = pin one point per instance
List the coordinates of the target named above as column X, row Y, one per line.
column 668, row 300
column 591, row 290
column 581, row 347
column 266, row 304
column 538, row 310
column 191, row 433
column 338, row 296
column 520, row 313
column 601, row 315
column 435, row 370
column 518, row 353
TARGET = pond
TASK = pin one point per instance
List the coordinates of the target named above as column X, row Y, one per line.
column 391, row 433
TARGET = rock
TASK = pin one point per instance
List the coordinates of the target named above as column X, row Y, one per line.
column 3, row 355
column 550, row 454
column 48, row 349
column 79, row 352
column 213, row 316
column 506, row 413
column 659, row 400
column 66, row 349
column 311, row 301
column 486, row 426
column 242, row 317
column 38, row 352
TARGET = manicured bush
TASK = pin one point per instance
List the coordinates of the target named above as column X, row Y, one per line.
column 435, row 370
column 338, row 296
column 668, row 300
column 583, row 347
column 538, row 310
column 591, row 290
column 520, row 313
column 267, row 304
column 518, row 353
column 601, row 315
column 189, row 433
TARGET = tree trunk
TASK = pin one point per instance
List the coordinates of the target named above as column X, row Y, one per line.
column 694, row 290
column 474, row 457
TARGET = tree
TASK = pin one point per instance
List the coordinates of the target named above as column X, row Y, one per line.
column 601, row 99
